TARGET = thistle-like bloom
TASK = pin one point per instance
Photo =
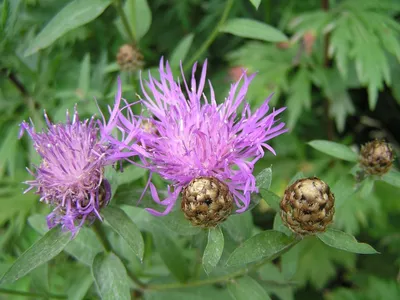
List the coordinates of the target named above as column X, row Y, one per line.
column 70, row 176
column 196, row 137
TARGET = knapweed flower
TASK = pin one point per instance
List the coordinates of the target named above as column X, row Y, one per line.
column 203, row 146
column 307, row 207
column 376, row 157
column 70, row 176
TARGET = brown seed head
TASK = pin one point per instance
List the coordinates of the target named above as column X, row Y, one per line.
column 376, row 157
column 206, row 202
column 129, row 58
column 307, row 207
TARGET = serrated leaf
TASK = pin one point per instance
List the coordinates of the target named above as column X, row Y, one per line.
column 344, row 241
column 213, row 251
column 334, row 149
column 265, row 245
column 256, row 3
column 252, row 29
column 271, row 198
column 47, row 247
column 264, row 179
column 180, row 52
column 110, row 277
column 392, row 177
column 125, row 227
column 71, row 16
column 246, row 288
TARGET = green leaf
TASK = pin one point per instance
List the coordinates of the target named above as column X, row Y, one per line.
column 176, row 222
column 171, row 254
column 239, row 226
column 83, row 247
column 84, row 76
column 265, row 245
column 252, row 29
column 47, row 247
column 279, row 226
column 138, row 14
column 125, row 227
column 334, row 149
column 264, row 179
column 300, row 96
column 110, row 277
column 246, row 288
column 214, row 249
column 80, row 285
column 271, row 198
column 73, row 15
column 344, row 241
column 392, row 177
column 256, row 3
column 180, row 52
column 297, row 176
column 130, row 174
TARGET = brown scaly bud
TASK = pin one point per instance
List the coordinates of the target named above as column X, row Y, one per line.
column 307, row 207
column 206, row 202
column 129, row 58
column 376, row 157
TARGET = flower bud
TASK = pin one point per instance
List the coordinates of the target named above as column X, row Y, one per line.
column 376, row 157
column 307, row 206
column 129, row 58
column 206, row 202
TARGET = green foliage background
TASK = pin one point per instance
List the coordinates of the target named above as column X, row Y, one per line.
column 334, row 64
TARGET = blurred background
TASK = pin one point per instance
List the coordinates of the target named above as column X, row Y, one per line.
column 337, row 71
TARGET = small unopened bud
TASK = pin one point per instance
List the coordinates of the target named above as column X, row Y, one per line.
column 307, row 206
column 309, row 38
column 129, row 58
column 376, row 157
column 206, row 202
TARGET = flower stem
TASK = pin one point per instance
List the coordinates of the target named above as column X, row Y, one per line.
column 224, row 278
column 124, row 19
column 32, row 295
column 99, row 230
column 211, row 38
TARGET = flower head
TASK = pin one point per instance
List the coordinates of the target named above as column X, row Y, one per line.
column 70, row 176
column 197, row 137
column 307, row 207
column 376, row 157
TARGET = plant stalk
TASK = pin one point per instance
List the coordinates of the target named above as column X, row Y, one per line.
column 211, row 37
column 124, row 19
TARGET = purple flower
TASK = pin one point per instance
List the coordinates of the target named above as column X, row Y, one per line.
column 194, row 136
column 70, row 176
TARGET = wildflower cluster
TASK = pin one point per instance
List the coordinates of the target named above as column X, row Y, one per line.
column 205, row 149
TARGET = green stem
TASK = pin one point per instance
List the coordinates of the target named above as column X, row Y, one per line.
column 99, row 230
column 211, row 38
column 34, row 295
column 124, row 19
column 223, row 278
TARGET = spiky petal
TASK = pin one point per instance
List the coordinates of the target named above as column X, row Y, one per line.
column 197, row 137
